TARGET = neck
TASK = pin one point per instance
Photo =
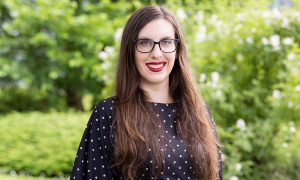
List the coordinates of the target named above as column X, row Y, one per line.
column 159, row 93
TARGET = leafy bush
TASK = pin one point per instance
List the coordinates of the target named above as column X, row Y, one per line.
column 40, row 144
column 261, row 151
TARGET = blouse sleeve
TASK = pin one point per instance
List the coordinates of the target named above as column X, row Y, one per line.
column 94, row 152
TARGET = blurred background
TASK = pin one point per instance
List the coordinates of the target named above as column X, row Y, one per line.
column 58, row 58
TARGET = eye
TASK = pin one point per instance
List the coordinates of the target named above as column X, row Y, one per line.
column 167, row 42
column 145, row 42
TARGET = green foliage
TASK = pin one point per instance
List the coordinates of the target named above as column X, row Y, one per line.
column 261, row 151
column 40, row 144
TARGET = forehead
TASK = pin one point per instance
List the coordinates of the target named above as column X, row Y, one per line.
column 157, row 30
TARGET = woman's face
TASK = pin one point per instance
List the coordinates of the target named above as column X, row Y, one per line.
column 155, row 67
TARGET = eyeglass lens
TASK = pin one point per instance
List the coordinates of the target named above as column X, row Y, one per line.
column 165, row 45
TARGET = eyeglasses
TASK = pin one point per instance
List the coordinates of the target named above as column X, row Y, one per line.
column 147, row 45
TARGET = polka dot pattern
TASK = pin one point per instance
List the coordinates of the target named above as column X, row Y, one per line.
column 95, row 149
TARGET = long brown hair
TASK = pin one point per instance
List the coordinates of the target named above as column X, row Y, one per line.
column 136, row 128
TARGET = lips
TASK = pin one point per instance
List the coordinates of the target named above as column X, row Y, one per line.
column 155, row 66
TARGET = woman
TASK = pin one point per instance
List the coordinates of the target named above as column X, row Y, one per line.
column 157, row 126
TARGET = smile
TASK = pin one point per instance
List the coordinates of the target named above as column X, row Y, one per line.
column 156, row 66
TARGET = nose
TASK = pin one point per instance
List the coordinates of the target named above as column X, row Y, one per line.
column 156, row 52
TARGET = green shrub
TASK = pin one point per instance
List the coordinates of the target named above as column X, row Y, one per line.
column 40, row 144
column 261, row 150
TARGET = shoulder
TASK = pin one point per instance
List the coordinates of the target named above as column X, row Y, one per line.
column 107, row 104
column 104, row 111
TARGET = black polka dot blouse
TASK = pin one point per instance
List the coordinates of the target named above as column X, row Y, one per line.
column 95, row 149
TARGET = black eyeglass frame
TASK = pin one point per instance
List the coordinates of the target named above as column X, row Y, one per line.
column 156, row 42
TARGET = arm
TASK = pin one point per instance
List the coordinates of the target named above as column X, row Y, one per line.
column 94, row 152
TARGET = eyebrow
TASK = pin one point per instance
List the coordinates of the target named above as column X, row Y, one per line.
column 166, row 37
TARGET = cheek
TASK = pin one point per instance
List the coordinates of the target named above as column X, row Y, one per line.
column 172, row 58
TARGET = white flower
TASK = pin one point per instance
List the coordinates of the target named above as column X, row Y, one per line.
column 275, row 42
column 290, row 104
column 276, row 94
column 249, row 40
column 265, row 41
column 276, row 13
column 240, row 123
column 285, row 23
column 118, row 34
column 201, row 34
column 253, row 30
column 292, row 129
column 202, row 77
column 265, row 14
column 291, row 56
column 297, row 88
column 213, row 19
column 104, row 77
column 268, row 22
column 214, row 54
column 103, row 55
column 218, row 23
column 109, row 50
column 181, row 14
column 239, row 57
column 199, row 16
column 106, row 65
column 240, row 17
column 219, row 93
column 288, row 41
column 285, row 145
column 215, row 77
column 238, row 167
column 234, row 178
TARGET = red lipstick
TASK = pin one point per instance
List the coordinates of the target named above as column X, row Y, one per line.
column 156, row 66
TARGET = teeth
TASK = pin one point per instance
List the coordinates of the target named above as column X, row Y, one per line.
column 155, row 65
